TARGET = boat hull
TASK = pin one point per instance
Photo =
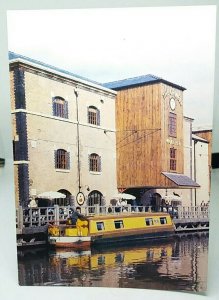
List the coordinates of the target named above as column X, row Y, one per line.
column 130, row 238
column 82, row 243
column 74, row 242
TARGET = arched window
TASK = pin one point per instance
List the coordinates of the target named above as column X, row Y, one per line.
column 95, row 198
column 94, row 162
column 93, row 115
column 63, row 201
column 60, row 107
column 62, row 159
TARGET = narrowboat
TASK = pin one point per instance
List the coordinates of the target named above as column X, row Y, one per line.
column 105, row 229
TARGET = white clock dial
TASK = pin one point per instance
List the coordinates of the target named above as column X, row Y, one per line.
column 172, row 103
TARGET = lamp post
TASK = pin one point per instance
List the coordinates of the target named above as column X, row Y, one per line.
column 78, row 141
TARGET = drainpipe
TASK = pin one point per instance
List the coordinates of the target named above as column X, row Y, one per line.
column 195, row 142
column 190, row 161
column 78, row 142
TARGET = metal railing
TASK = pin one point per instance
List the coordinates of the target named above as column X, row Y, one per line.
column 193, row 212
column 41, row 216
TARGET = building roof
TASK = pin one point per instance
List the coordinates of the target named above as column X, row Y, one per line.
column 181, row 180
column 202, row 130
column 13, row 57
column 198, row 138
column 188, row 118
column 138, row 81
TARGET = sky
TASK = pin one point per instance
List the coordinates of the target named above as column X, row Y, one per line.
column 175, row 43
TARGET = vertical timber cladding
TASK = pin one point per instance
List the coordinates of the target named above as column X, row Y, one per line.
column 167, row 142
column 20, row 145
column 138, row 123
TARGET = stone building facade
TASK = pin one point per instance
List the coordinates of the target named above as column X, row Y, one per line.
column 64, row 134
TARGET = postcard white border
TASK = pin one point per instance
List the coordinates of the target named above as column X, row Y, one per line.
column 9, row 288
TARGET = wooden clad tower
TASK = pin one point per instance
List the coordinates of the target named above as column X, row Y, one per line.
column 149, row 123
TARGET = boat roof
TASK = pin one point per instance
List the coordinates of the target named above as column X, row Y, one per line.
column 126, row 215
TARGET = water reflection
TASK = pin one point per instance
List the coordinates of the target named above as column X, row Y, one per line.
column 177, row 264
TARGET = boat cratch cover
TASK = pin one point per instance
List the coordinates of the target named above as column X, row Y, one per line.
column 181, row 180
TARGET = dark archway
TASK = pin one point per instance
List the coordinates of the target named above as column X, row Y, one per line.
column 66, row 201
column 156, row 202
column 95, row 198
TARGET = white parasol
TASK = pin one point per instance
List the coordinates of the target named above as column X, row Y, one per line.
column 51, row 195
column 172, row 198
column 124, row 196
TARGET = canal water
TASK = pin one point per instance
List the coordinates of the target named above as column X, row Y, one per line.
column 176, row 264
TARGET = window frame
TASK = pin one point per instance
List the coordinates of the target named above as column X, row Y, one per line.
column 102, row 226
column 93, row 115
column 60, row 110
column 95, row 163
column 172, row 125
column 173, row 159
column 163, row 219
column 120, row 222
column 151, row 221
column 62, row 159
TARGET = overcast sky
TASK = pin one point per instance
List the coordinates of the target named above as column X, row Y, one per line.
column 175, row 43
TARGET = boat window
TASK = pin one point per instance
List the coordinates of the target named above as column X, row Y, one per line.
column 118, row 224
column 101, row 260
column 149, row 221
column 163, row 220
column 100, row 226
column 119, row 258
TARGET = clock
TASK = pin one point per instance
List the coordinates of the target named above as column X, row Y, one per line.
column 172, row 103
column 80, row 198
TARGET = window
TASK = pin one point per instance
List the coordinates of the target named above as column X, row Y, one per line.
column 172, row 159
column 62, row 159
column 118, row 224
column 101, row 260
column 60, row 107
column 94, row 198
column 172, row 124
column 163, row 220
column 149, row 221
column 100, row 226
column 93, row 115
column 94, row 162
column 61, row 201
column 119, row 258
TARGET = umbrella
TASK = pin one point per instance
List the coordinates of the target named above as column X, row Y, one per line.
column 173, row 198
column 51, row 195
column 124, row 196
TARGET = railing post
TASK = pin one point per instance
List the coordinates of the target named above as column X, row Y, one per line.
column 199, row 212
column 56, row 214
column 20, row 217
column 179, row 208
column 97, row 209
column 39, row 217
column 30, row 216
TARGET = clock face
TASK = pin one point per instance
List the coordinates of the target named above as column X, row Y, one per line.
column 172, row 103
column 80, row 198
